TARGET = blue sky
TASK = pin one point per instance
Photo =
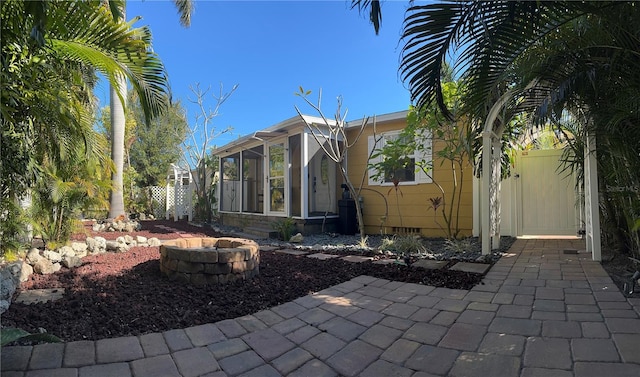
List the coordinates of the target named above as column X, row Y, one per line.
column 270, row 48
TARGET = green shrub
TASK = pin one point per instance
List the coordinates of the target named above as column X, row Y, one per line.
column 403, row 245
column 284, row 227
column 458, row 245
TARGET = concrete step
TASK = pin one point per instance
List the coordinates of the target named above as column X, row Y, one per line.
column 260, row 232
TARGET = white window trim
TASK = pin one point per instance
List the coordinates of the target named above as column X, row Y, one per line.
column 419, row 156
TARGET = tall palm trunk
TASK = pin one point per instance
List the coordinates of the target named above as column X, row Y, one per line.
column 116, row 199
column 118, row 121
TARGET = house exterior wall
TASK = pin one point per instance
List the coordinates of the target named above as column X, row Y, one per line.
column 408, row 209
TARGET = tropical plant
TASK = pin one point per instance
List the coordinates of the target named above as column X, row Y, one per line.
column 453, row 143
column 550, row 57
column 49, row 53
column 285, row 228
column 150, row 83
column 62, row 191
column 12, row 334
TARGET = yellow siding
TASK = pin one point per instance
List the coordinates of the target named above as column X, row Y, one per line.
column 409, row 207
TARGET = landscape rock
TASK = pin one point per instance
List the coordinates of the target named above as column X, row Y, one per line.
column 100, row 245
column 141, row 240
column 112, row 246
column 33, row 256
column 79, row 247
column 66, row 250
column 298, row 238
column 153, row 241
column 9, row 281
column 53, row 256
column 128, row 239
column 4, row 306
column 43, row 266
column 56, row 267
column 91, row 244
column 26, row 271
column 71, row 262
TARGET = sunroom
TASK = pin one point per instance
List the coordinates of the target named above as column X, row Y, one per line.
column 275, row 173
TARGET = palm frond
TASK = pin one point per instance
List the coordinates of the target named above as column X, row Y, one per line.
column 374, row 10
column 185, row 9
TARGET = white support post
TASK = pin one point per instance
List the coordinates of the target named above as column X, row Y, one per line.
column 496, row 208
column 485, row 210
column 591, row 205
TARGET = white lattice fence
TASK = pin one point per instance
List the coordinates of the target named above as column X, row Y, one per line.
column 158, row 201
column 183, row 201
column 170, row 202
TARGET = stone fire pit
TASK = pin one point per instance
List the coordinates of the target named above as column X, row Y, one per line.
column 201, row 261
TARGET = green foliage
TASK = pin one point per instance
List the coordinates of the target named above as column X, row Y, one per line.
column 404, row 245
column 284, row 227
column 458, row 245
column 13, row 237
column 50, row 52
column 157, row 144
column 453, row 142
column 62, row 192
column 205, row 203
column 11, row 334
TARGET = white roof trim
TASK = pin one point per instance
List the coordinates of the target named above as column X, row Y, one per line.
column 296, row 122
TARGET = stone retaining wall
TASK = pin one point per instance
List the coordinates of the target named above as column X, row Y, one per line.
column 201, row 261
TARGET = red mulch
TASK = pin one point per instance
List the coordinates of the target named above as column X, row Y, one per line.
column 114, row 295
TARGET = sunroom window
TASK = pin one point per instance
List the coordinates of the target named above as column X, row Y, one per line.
column 230, row 183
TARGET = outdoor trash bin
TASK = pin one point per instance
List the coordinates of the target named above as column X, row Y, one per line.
column 348, row 221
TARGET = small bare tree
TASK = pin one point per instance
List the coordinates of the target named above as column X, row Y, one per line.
column 196, row 146
column 330, row 143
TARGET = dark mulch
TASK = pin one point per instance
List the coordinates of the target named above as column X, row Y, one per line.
column 114, row 295
column 621, row 268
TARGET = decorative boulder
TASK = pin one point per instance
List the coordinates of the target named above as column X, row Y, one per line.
column 26, row 271
column 9, row 281
column 100, row 245
column 53, row 256
column 33, row 256
column 296, row 238
column 113, row 246
column 79, row 247
column 91, row 244
column 141, row 240
column 43, row 266
column 71, row 262
column 66, row 250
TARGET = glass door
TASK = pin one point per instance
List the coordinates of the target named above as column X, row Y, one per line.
column 276, row 178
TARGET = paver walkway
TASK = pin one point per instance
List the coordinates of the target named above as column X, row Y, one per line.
column 540, row 312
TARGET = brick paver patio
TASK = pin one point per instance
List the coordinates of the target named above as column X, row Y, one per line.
column 539, row 312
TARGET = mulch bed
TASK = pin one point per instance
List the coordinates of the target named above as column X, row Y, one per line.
column 114, row 295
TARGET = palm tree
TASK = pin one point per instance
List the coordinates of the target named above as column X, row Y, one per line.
column 50, row 51
column 552, row 57
column 118, row 95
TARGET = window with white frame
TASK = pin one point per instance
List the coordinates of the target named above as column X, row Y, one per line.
column 408, row 170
